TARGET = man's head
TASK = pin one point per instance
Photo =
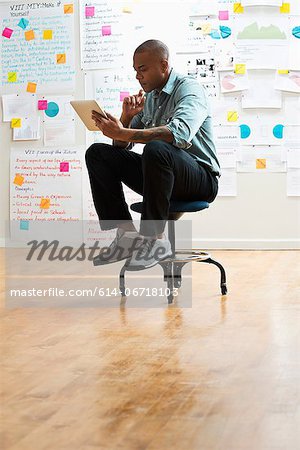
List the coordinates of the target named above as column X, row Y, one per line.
column 151, row 63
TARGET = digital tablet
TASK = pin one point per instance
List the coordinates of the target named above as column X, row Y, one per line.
column 84, row 110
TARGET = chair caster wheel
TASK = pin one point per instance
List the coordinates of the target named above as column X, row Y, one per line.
column 224, row 289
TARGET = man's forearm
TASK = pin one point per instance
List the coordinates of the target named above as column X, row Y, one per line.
column 125, row 122
column 151, row 134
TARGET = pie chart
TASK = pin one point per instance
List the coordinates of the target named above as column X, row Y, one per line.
column 245, row 131
column 227, row 83
column 278, row 131
column 295, row 79
column 215, row 34
column 225, row 31
column 296, row 32
column 52, row 110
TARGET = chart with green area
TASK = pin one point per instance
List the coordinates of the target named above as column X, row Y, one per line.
column 253, row 31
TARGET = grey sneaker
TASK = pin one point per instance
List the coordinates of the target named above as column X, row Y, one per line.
column 149, row 254
column 122, row 247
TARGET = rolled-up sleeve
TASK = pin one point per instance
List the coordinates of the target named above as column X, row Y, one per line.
column 190, row 112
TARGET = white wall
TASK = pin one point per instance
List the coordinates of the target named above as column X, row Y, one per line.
column 261, row 216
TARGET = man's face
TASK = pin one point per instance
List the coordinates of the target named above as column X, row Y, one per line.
column 151, row 70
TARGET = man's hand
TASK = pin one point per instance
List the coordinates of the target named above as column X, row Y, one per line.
column 110, row 127
column 133, row 104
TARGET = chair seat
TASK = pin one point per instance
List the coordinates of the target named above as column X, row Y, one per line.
column 177, row 206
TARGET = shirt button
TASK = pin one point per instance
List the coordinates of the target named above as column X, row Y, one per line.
column 153, row 124
column 159, row 107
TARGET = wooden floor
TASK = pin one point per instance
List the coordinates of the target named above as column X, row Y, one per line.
column 223, row 374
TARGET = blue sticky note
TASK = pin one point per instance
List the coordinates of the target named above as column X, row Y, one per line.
column 24, row 224
column 23, row 23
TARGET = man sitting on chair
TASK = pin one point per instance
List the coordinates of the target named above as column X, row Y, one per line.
column 178, row 161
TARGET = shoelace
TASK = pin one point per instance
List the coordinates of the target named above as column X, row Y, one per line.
column 145, row 249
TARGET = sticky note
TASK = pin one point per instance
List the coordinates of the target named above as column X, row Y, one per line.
column 45, row 203
column 69, row 9
column 285, row 8
column 7, row 32
column 42, row 105
column 283, row 71
column 23, row 23
column 61, row 58
column 24, row 224
column 47, row 34
column 240, row 68
column 29, row 35
column 238, row 8
column 89, row 11
column 64, row 167
column 106, row 30
column 31, row 87
column 232, row 116
column 223, row 15
column 261, row 164
column 16, row 123
column 19, row 180
column 127, row 9
column 206, row 28
column 123, row 94
column 12, row 77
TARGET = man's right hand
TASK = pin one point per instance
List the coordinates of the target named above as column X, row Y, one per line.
column 133, row 104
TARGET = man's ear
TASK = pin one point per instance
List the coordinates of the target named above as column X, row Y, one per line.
column 164, row 65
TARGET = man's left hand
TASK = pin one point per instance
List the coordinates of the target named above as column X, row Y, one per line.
column 110, row 127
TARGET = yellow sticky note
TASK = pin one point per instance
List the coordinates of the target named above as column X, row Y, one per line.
column 206, row 28
column 19, row 180
column 61, row 58
column 12, row 77
column 127, row 9
column 261, row 163
column 31, row 87
column 240, row 68
column 29, row 35
column 47, row 34
column 69, row 9
column 238, row 8
column 45, row 203
column 285, row 8
column 283, row 71
column 16, row 123
column 232, row 116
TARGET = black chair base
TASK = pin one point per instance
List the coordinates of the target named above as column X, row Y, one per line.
column 172, row 268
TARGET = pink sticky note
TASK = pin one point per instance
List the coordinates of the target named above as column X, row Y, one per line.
column 123, row 94
column 64, row 167
column 42, row 105
column 223, row 15
column 89, row 11
column 7, row 32
column 106, row 30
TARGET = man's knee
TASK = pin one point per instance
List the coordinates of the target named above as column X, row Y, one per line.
column 94, row 152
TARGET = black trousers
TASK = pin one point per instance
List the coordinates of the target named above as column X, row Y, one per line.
column 163, row 172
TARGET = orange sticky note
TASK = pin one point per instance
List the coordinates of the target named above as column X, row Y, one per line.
column 69, row 9
column 19, row 180
column 45, row 203
column 47, row 34
column 12, row 77
column 29, row 35
column 31, row 87
column 16, row 123
column 261, row 163
column 238, row 8
column 285, row 8
column 61, row 58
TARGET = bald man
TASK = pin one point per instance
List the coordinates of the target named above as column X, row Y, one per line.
column 171, row 116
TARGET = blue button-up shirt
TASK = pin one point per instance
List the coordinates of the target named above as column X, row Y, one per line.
column 182, row 106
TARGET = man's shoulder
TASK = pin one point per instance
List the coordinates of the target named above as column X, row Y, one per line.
column 186, row 82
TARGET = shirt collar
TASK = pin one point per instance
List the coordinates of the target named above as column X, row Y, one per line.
column 168, row 87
